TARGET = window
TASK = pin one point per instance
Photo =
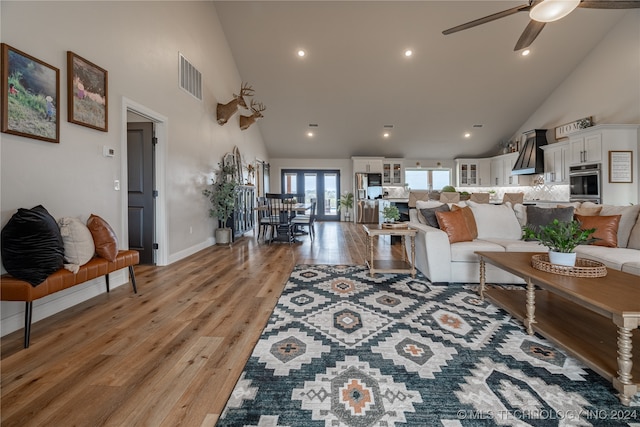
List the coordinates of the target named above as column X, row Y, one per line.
column 427, row 179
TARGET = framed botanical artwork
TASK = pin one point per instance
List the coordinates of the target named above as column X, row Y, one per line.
column 30, row 96
column 87, row 93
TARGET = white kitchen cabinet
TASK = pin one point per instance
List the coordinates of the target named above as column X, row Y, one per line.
column 586, row 148
column 367, row 164
column 501, row 167
column 472, row 172
column 392, row 172
column 556, row 163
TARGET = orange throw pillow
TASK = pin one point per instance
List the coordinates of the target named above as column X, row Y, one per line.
column 606, row 229
column 104, row 238
column 469, row 218
column 455, row 225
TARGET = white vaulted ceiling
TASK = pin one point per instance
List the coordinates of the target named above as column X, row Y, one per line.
column 355, row 79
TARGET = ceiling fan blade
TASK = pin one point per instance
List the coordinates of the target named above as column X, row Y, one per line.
column 480, row 21
column 610, row 4
column 529, row 34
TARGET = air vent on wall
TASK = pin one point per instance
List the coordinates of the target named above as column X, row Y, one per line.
column 190, row 78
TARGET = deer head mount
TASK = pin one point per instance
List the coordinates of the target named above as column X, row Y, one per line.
column 257, row 108
column 225, row 111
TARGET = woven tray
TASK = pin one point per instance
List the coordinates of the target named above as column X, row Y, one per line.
column 395, row 225
column 583, row 268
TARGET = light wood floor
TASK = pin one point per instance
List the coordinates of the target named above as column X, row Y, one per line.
column 170, row 355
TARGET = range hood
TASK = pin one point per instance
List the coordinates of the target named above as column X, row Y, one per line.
column 531, row 158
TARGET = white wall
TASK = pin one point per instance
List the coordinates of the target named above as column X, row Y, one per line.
column 138, row 44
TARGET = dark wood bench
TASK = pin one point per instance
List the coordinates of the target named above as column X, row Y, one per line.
column 12, row 289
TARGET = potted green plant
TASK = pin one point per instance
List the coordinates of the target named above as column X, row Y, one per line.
column 391, row 213
column 346, row 201
column 448, row 189
column 222, row 195
column 561, row 237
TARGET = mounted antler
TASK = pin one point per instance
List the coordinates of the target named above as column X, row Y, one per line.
column 257, row 108
column 225, row 111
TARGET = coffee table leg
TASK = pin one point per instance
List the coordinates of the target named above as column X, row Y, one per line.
column 531, row 306
column 482, row 278
column 371, row 256
column 623, row 382
column 413, row 256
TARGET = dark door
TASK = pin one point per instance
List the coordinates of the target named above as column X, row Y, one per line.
column 140, row 169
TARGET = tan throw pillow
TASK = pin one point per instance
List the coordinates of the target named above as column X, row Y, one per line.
column 469, row 219
column 454, row 224
column 606, row 229
column 104, row 238
column 586, row 211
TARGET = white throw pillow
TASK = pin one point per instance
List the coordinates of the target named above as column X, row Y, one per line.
column 495, row 221
column 78, row 243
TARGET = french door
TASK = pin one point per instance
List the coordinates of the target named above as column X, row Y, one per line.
column 322, row 185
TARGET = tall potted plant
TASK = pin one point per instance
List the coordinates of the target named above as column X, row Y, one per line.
column 222, row 195
column 346, row 201
column 561, row 237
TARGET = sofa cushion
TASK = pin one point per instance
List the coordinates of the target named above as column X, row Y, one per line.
column 611, row 257
column 627, row 221
column 78, row 243
column 634, row 237
column 429, row 214
column 538, row 217
column 454, row 224
column 466, row 251
column 511, row 245
column 606, row 229
column 469, row 219
column 495, row 221
column 32, row 247
column 521, row 212
column 587, row 211
column 104, row 238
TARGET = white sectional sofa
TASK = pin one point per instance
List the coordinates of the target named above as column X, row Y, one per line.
column 499, row 230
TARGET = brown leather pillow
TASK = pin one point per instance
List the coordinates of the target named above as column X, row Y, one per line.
column 606, row 228
column 469, row 218
column 104, row 238
column 454, row 224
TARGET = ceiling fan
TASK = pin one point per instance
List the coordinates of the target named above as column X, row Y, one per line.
column 543, row 11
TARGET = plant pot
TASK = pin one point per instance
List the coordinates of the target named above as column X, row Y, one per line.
column 563, row 258
column 347, row 216
column 223, row 236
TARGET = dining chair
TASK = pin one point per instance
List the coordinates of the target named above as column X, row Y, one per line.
column 279, row 219
column 514, row 198
column 480, row 197
column 449, row 197
column 262, row 209
column 307, row 220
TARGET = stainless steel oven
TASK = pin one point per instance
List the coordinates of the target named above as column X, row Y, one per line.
column 585, row 183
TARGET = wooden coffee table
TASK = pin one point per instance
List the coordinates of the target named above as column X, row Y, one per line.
column 594, row 319
column 390, row 266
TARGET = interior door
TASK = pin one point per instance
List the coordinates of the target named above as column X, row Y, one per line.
column 140, row 170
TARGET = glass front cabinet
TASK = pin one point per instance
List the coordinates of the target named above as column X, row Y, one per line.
column 391, row 172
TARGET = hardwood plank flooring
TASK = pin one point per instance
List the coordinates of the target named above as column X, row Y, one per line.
column 170, row 355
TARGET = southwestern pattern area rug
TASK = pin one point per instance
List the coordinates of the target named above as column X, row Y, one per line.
column 344, row 349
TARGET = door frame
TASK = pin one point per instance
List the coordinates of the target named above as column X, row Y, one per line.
column 320, row 185
column 160, row 125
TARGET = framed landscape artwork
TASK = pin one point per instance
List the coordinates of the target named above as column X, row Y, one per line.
column 87, row 95
column 30, row 96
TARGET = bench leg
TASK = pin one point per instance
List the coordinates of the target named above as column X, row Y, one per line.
column 133, row 279
column 106, row 278
column 28, row 310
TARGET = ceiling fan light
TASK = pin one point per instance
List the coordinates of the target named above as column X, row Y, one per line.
column 552, row 10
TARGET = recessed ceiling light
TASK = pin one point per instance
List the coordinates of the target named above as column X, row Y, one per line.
column 386, row 134
column 309, row 134
column 301, row 53
column 525, row 52
column 408, row 53
column 467, row 135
